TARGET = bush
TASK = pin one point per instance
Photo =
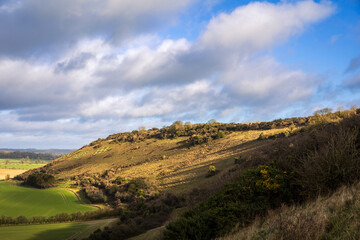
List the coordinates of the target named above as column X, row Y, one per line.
column 95, row 194
column 333, row 164
column 212, row 171
column 40, row 180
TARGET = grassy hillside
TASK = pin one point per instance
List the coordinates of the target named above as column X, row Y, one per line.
column 146, row 176
column 23, row 201
column 172, row 164
column 315, row 162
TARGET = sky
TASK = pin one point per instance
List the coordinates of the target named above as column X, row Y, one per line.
column 73, row 71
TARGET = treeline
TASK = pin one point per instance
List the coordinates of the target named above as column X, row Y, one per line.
column 199, row 133
column 202, row 133
column 60, row 217
column 296, row 169
column 30, row 155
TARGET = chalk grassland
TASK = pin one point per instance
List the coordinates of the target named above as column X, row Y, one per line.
column 11, row 172
column 58, row 231
column 170, row 163
column 17, row 200
column 16, row 164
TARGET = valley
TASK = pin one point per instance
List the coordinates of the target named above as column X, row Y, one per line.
column 169, row 183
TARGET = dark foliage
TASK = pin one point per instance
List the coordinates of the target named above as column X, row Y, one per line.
column 200, row 133
column 60, row 217
column 255, row 192
column 40, row 180
column 31, row 155
column 141, row 216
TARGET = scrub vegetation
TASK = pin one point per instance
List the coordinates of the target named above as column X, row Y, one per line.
column 206, row 181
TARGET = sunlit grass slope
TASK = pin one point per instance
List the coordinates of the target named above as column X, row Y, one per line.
column 23, row 201
column 171, row 163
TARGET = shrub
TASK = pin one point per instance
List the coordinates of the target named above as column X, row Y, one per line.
column 120, row 180
column 333, row 164
column 238, row 160
column 212, row 171
column 137, row 186
column 40, row 180
column 220, row 134
column 95, row 194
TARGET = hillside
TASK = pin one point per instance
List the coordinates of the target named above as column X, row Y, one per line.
column 170, row 157
column 191, row 175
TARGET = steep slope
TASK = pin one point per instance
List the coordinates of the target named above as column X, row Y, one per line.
column 171, row 163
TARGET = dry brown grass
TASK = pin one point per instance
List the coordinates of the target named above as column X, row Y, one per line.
column 334, row 217
column 170, row 163
column 11, row 172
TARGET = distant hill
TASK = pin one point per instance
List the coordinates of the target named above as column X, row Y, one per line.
column 34, row 150
column 48, row 154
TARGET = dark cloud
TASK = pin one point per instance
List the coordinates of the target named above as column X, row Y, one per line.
column 78, row 62
column 354, row 65
column 36, row 26
column 353, row 82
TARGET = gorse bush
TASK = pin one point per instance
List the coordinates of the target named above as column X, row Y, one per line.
column 256, row 191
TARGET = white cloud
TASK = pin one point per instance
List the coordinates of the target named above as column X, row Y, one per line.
column 265, row 81
column 261, row 25
column 154, row 102
column 97, row 85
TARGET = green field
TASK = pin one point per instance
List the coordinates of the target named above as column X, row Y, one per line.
column 17, row 200
column 16, row 164
column 58, row 231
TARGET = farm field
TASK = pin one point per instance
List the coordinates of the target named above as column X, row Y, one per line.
column 11, row 172
column 20, row 166
column 57, row 231
column 16, row 164
column 17, row 200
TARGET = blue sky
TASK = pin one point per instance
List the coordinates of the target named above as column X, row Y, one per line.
column 72, row 71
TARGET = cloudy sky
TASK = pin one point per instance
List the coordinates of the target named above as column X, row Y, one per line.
column 72, row 71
